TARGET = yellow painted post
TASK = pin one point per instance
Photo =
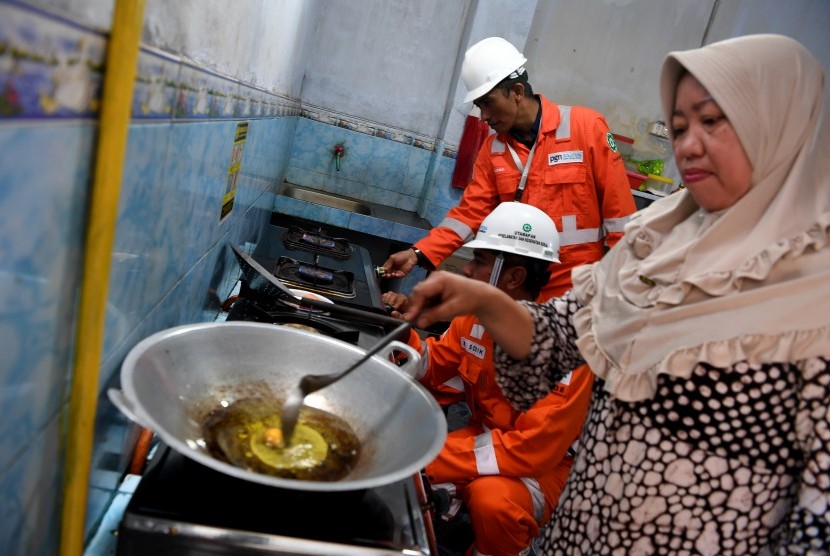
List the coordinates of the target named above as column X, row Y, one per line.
column 119, row 80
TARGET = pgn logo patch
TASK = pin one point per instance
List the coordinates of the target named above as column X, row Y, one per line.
column 564, row 157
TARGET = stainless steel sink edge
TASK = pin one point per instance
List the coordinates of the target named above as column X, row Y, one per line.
column 316, row 197
column 331, row 200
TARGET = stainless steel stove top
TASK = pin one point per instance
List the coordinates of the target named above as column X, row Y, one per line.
column 354, row 283
column 183, row 508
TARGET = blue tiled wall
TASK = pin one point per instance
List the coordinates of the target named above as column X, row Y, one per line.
column 170, row 262
column 373, row 169
column 442, row 196
column 380, row 165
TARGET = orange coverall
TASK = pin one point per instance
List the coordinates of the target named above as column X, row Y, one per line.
column 575, row 176
column 508, row 466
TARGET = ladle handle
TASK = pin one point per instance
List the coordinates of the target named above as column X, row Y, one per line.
column 316, row 382
column 364, row 316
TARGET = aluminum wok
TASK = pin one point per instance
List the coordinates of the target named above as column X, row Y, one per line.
column 174, row 374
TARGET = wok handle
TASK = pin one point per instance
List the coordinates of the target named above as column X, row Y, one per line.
column 413, row 360
column 365, row 316
column 124, row 405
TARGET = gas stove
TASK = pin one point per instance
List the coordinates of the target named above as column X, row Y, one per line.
column 314, row 261
column 266, row 297
column 183, row 508
column 317, row 241
column 360, row 333
column 315, row 277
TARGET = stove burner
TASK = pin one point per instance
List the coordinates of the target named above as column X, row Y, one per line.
column 316, row 275
column 317, row 242
column 318, row 279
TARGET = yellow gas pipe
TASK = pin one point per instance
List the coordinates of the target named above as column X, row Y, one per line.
column 119, row 79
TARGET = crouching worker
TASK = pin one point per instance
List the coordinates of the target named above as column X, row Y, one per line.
column 506, row 467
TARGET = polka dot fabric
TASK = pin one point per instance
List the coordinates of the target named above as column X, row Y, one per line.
column 728, row 461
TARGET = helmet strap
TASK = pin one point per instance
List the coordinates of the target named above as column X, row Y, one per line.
column 496, row 272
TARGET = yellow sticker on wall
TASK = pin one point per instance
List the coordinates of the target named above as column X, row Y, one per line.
column 233, row 169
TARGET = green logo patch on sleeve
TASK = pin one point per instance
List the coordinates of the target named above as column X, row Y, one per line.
column 611, row 142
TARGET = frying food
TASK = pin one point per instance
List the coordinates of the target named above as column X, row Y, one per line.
column 248, row 434
column 272, row 437
column 307, row 450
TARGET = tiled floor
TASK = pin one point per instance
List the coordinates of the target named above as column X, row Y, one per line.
column 105, row 539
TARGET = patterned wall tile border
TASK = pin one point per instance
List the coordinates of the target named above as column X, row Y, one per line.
column 358, row 125
column 201, row 93
column 49, row 68
column 54, row 68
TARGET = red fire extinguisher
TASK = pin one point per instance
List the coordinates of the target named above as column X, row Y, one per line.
column 474, row 134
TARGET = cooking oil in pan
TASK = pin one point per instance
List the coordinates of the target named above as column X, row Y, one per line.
column 324, row 447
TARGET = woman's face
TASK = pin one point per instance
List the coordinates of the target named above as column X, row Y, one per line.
column 709, row 155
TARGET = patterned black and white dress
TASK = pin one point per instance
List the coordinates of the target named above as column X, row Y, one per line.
column 727, row 461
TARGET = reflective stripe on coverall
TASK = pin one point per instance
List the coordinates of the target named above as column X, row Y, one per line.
column 575, row 177
column 509, row 466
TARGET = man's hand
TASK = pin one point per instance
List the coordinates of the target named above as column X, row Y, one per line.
column 444, row 295
column 396, row 303
column 399, row 264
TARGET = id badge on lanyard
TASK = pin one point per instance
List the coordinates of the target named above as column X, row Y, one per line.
column 523, row 169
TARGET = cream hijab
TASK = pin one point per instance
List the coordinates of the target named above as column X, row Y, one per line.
column 750, row 283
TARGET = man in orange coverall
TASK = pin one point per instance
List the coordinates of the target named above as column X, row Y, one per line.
column 573, row 170
column 507, row 466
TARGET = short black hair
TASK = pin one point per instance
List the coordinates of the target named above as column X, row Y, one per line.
column 537, row 272
column 506, row 84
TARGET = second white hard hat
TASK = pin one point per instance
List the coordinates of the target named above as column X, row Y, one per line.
column 486, row 63
column 518, row 228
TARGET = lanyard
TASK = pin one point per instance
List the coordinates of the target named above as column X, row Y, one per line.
column 523, row 169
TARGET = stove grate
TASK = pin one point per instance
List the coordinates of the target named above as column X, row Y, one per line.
column 317, row 242
column 315, row 278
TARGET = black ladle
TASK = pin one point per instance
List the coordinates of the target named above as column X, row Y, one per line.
column 311, row 383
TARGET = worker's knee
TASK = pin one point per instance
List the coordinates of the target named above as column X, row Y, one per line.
column 501, row 512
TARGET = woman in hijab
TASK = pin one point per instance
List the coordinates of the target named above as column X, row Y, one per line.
column 708, row 327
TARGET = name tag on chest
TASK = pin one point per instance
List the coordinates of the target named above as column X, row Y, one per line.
column 473, row 348
column 564, row 157
column 561, row 387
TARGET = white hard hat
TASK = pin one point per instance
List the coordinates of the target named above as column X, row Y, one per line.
column 518, row 228
column 486, row 63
